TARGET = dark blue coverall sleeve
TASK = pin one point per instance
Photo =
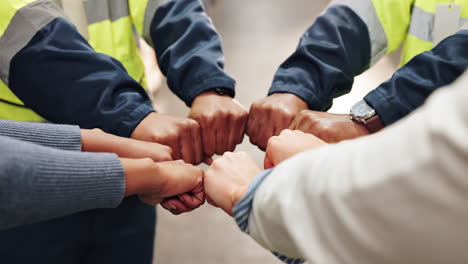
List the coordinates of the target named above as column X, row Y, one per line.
column 189, row 49
column 59, row 76
column 413, row 83
column 336, row 48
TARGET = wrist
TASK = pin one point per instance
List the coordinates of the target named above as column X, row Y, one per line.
column 135, row 176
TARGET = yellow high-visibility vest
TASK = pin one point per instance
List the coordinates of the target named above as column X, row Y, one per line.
column 113, row 28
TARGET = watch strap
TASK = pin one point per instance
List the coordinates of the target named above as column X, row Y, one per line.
column 374, row 124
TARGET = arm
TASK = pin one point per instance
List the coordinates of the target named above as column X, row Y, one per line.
column 92, row 91
column 187, row 46
column 392, row 201
column 57, row 136
column 413, row 83
column 343, row 42
column 348, row 38
column 189, row 53
column 39, row 183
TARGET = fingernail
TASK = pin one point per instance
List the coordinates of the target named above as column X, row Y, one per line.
column 181, row 198
column 172, row 207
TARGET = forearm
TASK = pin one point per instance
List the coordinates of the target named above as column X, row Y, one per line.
column 333, row 50
column 51, row 135
column 410, row 86
column 395, row 197
column 189, row 49
column 40, row 183
column 94, row 91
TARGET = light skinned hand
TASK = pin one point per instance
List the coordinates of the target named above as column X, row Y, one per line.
column 288, row 144
column 181, row 134
column 228, row 179
column 95, row 140
column 271, row 115
column 331, row 128
column 157, row 182
column 222, row 120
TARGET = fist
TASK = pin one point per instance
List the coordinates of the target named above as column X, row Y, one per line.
column 165, row 183
column 228, row 178
column 331, row 128
column 181, row 134
column 271, row 115
column 288, row 144
column 222, row 121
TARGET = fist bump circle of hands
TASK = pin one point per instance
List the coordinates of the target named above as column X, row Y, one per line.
column 160, row 157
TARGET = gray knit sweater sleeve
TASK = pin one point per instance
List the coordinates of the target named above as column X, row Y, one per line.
column 57, row 136
column 39, row 183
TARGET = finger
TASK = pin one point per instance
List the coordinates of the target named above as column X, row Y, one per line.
column 294, row 123
column 252, row 128
column 208, row 137
column 174, row 144
column 187, row 147
column 191, row 201
column 222, row 135
column 283, row 122
column 197, row 144
column 233, row 127
column 179, row 206
column 242, row 130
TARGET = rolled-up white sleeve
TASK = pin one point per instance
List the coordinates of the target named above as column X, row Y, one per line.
column 399, row 196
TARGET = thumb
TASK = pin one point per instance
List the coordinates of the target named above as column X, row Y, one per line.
column 181, row 178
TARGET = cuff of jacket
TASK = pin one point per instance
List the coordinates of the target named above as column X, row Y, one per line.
column 243, row 207
column 63, row 137
column 207, row 84
column 300, row 91
column 128, row 124
column 383, row 107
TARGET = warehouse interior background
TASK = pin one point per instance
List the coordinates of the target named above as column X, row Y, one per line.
column 257, row 36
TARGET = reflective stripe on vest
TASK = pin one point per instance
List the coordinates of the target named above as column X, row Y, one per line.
column 420, row 34
column 111, row 31
column 11, row 43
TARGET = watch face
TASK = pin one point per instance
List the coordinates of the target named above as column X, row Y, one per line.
column 362, row 111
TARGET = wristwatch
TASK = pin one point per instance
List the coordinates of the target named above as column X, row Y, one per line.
column 364, row 114
column 223, row 91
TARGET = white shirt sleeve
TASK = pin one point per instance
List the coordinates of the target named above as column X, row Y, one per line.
column 399, row 196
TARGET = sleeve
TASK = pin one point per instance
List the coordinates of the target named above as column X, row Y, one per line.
column 57, row 136
column 398, row 196
column 55, row 72
column 348, row 38
column 410, row 86
column 187, row 46
column 39, row 183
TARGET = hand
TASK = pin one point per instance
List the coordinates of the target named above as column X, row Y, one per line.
column 288, row 144
column 163, row 181
column 222, row 121
column 95, row 140
column 181, row 134
column 228, row 179
column 269, row 116
column 331, row 128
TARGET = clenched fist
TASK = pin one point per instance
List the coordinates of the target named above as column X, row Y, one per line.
column 288, row 144
column 181, row 134
column 271, row 115
column 331, row 128
column 160, row 182
column 228, row 179
column 222, row 120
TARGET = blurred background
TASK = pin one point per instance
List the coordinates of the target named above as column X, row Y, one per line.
column 257, row 37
